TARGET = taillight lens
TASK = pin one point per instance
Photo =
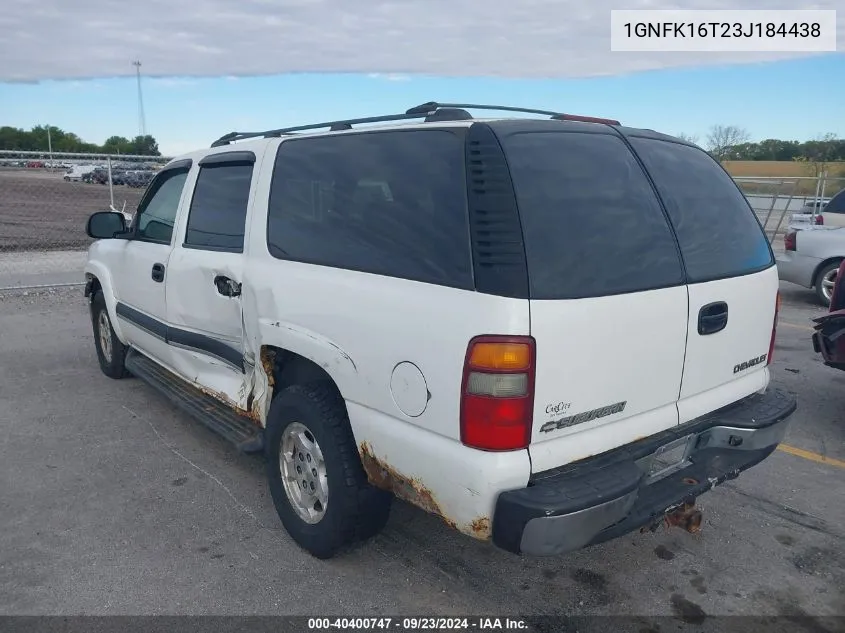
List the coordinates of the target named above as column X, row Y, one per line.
column 789, row 241
column 774, row 330
column 820, row 219
column 497, row 393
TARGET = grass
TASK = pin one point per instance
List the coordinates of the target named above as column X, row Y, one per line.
column 787, row 170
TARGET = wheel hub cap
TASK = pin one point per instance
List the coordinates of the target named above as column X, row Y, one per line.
column 104, row 331
column 303, row 473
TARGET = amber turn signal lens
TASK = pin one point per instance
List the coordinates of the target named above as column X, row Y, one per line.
column 500, row 356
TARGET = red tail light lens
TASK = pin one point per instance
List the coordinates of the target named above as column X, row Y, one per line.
column 774, row 330
column 820, row 219
column 789, row 241
column 497, row 393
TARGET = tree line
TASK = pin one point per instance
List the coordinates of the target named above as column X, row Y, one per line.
column 731, row 142
column 37, row 140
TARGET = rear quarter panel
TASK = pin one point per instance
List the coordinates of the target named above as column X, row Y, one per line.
column 395, row 349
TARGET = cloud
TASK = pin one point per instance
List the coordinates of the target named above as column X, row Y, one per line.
column 389, row 77
column 173, row 82
column 54, row 39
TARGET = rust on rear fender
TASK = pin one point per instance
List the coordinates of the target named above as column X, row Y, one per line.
column 268, row 363
column 480, row 528
column 384, row 476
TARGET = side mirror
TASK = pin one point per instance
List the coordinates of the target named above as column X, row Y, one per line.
column 105, row 225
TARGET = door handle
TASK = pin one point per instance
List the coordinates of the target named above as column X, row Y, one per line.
column 712, row 318
column 158, row 272
column 227, row 287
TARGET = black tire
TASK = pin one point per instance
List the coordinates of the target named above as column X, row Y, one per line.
column 833, row 266
column 111, row 361
column 355, row 510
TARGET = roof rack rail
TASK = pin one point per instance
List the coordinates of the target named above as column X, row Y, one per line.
column 558, row 116
column 430, row 111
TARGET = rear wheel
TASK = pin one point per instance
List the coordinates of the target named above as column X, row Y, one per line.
column 316, row 480
column 825, row 281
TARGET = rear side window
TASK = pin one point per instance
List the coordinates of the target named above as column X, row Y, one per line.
column 718, row 232
column 218, row 209
column 389, row 203
column 591, row 223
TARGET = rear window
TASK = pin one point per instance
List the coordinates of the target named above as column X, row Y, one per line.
column 591, row 223
column 718, row 232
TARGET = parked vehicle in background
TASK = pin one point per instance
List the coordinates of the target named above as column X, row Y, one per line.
column 829, row 335
column 822, row 213
column 77, row 173
column 811, row 258
column 139, row 178
column 548, row 332
column 118, row 176
column 100, row 176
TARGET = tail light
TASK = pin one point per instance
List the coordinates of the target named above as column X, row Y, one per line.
column 789, row 241
column 819, row 219
column 497, row 393
column 774, row 330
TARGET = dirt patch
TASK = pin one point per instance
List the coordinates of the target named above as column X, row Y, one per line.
column 42, row 212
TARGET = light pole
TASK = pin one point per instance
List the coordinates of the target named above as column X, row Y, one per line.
column 142, row 124
column 50, row 147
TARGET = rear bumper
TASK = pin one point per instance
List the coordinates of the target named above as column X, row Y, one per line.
column 608, row 495
column 796, row 268
column 829, row 339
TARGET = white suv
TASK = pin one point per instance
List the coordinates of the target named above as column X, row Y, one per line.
column 547, row 331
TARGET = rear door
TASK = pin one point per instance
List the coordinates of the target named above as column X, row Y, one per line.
column 731, row 275
column 608, row 301
column 205, row 274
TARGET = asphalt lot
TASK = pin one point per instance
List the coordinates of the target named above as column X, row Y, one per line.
column 113, row 503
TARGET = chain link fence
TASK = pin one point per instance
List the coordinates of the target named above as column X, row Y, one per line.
column 45, row 200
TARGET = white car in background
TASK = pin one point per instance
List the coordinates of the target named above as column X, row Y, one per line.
column 75, row 173
column 811, row 258
column 822, row 213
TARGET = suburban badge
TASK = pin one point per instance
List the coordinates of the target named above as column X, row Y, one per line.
column 586, row 416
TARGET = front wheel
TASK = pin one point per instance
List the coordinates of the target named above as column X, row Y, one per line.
column 111, row 353
column 316, row 479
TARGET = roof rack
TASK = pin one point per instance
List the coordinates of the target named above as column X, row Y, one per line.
column 430, row 112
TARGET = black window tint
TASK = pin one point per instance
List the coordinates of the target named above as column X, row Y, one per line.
column 591, row 222
column 218, row 208
column 390, row 203
column 157, row 213
column 718, row 232
column 836, row 204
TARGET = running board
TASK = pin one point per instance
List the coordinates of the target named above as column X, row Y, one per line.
column 243, row 432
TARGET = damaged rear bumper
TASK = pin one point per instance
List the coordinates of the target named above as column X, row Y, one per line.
column 829, row 338
column 608, row 495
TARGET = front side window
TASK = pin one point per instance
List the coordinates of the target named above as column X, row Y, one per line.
column 157, row 213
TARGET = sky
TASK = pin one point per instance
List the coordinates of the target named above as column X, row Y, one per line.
column 797, row 99
column 213, row 66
